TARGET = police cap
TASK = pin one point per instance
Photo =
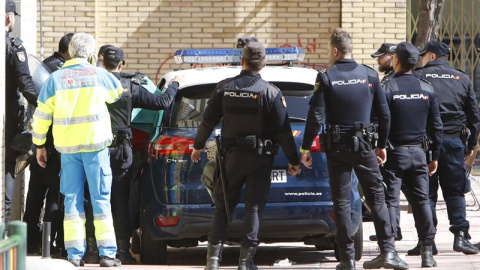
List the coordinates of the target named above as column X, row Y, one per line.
column 11, row 7
column 384, row 48
column 407, row 53
column 102, row 49
column 244, row 40
column 436, row 47
column 114, row 55
column 254, row 51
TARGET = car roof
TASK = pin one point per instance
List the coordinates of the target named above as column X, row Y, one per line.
column 212, row 75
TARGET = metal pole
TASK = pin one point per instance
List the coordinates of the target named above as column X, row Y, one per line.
column 20, row 228
column 46, row 232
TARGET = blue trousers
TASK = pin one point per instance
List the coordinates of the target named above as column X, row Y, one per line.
column 95, row 167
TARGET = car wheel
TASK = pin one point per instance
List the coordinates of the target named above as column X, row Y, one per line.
column 152, row 251
column 357, row 243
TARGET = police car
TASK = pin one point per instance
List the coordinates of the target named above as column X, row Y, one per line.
column 177, row 209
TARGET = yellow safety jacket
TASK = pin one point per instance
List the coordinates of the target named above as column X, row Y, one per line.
column 74, row 98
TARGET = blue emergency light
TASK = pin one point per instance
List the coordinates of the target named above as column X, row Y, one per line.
column 214, row 56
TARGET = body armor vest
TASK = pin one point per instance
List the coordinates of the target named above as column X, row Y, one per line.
column 121, row 110
column 243, row 109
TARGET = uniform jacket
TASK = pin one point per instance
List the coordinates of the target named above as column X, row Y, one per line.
column 74, row 98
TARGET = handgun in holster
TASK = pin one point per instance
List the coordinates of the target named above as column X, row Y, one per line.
column 326, row 138
column 464, row 135
column 426, row 145
column 360, row 138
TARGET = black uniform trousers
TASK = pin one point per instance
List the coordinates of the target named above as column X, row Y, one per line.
column 121, row 160
column 408, row 164
column 452, row 178
column 341, row 161
column 44, row 184
column 242, row 167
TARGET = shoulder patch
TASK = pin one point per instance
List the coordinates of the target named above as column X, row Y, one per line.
column 317, row 84
column 284, row 102
column 21, row 56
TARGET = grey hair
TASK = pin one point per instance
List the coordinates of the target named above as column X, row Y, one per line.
column 82, row 45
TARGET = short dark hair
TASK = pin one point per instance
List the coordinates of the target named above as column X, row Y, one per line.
column 63, row 43
column 342, row 40
column 254, row 55
column 405, row 65
column 110, row 64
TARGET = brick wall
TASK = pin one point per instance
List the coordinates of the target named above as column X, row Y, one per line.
column 373, row 22
column 150, row 30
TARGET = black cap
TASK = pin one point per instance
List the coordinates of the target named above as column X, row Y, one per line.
column 407, row 53
column 436, row 47
column 114, row 54
column 244, row 40
column 102, row 49
column 254, row 51
column 11, row 7
column 385, row 48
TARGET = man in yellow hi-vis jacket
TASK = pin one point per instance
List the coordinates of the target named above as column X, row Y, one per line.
column 74, row 98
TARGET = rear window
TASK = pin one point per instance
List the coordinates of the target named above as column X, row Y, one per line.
column 190, row 103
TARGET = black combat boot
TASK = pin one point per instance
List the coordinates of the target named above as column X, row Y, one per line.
column 346, row 265
column 461, row 243
column 246, row 258
column 427, row 255
column 91, row 256
column 123, row 252
column 416, row 250
column 214, row 256
column 387, row 260
column 109, row 262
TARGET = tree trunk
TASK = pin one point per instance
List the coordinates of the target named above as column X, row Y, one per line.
column 428, row 24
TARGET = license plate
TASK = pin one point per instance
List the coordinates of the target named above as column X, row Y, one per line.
column 278, row 176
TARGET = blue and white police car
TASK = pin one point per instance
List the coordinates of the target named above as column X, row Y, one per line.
column 176, row 208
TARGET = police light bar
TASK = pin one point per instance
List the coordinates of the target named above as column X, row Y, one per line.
column 214, row 56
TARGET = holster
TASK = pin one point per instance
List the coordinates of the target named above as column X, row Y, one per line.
column 261, row 146
column 326, row 138
column 426, row 145
column 464, row 135
column 361, row 140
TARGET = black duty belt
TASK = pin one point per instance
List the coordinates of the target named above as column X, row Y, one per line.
column 408, row 145
column 250, row 143
column 452, row 135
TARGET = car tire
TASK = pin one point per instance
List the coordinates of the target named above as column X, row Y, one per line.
column 151, row 251
column 357, row 243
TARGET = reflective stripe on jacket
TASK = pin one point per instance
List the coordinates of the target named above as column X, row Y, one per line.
column 74, row 98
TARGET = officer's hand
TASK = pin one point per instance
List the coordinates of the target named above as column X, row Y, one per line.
column 178, row 78
column 381, row 155
column 468, row 155
column 196, row 155
column 42, row 157
column 293, row 169
column 306, row 160
column 432, row 167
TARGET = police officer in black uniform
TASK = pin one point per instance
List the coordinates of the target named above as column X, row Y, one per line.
column 384, row 59
column 45, row 182
column 413, row 107
column 254, row 113
column 18, row 80
column 345, row 94
column 56, row 60
column 134, row 96
column 460, row 116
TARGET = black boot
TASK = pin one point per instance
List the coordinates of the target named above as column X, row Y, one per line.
column 123, row 252
column 346, row 265
column 214, row 256
column 461, row 243
column 246, row 258
column 416, row 250
column 427, row 256
column 109, row 262
column 91, row 256
column 387, row 260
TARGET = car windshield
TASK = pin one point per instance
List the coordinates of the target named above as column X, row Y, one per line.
column 188, row 109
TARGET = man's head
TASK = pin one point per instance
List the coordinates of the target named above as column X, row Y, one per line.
column 244, row 40
column 340, row 45
column 434, row 50
column 10, row 13
column 113, row 59
column 405, row 57
column 101, row 51
column 254, row 56
column 82, row 45
column 384, row 56
column 63, row 45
